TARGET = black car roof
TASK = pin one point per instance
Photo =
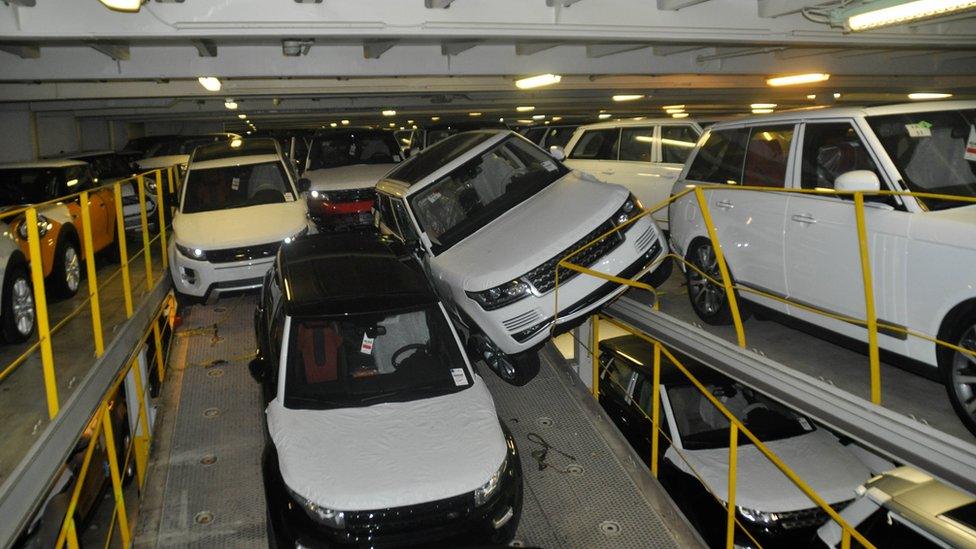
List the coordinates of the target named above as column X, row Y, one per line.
column 641, row 353
column 341, row 274
column 226, row 149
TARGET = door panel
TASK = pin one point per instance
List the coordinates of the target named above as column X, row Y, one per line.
column 595, row 152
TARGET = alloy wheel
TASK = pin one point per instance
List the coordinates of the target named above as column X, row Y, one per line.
column 964, row 372
column 72, row 268
column 707, row 296
column 22, row 305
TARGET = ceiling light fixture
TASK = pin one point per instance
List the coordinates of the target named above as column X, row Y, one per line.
column 794, row 79
column 474, row 114
column 333, row 125
column 556, row 118
column 502, row 120
column 242, row 116
column 763, row 105
column 345, row 122
column 671, row 107
column 679, row 115
column 525, row 121
column 922, row 96
column 604, row 116
column 434, row 118
column 537, row 81
column 675, row 111
column 812, row 96
column 638, row 118
column 885, row 13
column 230, row 104
column 409, row 121
column 538, row 117
column 761, row 111
column 392, row 125
column 525, row 108
column 210, row 83
column 836, row 95
column 628, row 97
column 389, row 112
column 128, row 6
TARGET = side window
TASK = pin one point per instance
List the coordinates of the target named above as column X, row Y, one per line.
column 767, row 154
column 644, row 393
column 277, row 331
column 559, row 136
column 677, row 142
column 534, row 134
column 636, row 143
column 406, row 228
column 76, row 179
column 829, row 150
column 719, row 160
column 617, row 373
column 597, row 145
column 387, row 221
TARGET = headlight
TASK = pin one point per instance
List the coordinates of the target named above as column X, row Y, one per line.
column 150, row 183
column 322, row 515
column 631, row 208
column 758, row 517
column 43, row 226
column 192, row 253
column 299, row 234
column 499, row 296
column 318, row 195
column 484, row 492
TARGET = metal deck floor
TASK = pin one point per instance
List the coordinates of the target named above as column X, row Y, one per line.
column 204, row 486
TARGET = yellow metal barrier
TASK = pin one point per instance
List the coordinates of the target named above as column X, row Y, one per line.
column 40, row 306
column 96, row 314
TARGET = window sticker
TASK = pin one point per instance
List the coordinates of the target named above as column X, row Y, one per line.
column 549, row 166
column 971, row 145
column 367, row 346
column 235, row 184
column 289, row 197
column 460, row 379
column 804, row 423
column 920, row 129
column 434, row 197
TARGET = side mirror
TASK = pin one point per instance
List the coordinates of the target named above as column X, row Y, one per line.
column 304, row 184
column 857, row 181
column 258, row 368
column 557, row 152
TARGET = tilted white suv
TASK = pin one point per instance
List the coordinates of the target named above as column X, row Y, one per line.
column 492, row 215
column 804, row 247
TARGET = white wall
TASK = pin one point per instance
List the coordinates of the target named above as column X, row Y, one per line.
column 58, row 134
column 95, row 135
column 16, row 143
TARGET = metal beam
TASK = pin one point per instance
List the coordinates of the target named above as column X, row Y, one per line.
column 890, row 433
column 530, row 48
column 729, row 53
column 797, row 53
column 118, row 52
column 24, row 51
column 22, row 3
column 672, row 5
column 454, row 48
column 438, row 4
column 373, row 49
column 664, row 51
column 205, row 48
column 776, row 8
column 563, row 3
column 594, row 51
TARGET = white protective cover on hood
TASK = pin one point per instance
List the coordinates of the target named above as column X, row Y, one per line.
column 357, row 176
column 818, row 458
column 235, row 227
column 391, row 454
column 531, row 233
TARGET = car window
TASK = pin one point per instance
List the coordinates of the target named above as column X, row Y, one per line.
column 534, row 134
column 386, row 213
column 403, row 221
column 236, row 187
column 636, row 143
column 617, row 373
column 677, row 142
column 767, row 155
column 337, row 149
column 559, row 137
column 29, row 185
column 597, row 145
column 277, row 329
column 720, row 158
column 829, row 150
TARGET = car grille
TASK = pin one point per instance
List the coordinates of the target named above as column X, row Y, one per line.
column 411, row 517
column 543, row 277
column 244, row 253
column 807, row 518
column 351, row 195
column 523, row 320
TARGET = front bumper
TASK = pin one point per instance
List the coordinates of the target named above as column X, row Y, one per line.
column 200, row 278
column 526, row 324
column 333, row 216
column 493, row 523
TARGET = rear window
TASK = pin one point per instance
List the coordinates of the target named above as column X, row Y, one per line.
column 677, row 142
column 720, row 158
column 597, row 145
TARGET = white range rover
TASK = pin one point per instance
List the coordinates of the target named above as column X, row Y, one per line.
column 804, row 247
column 492, row 215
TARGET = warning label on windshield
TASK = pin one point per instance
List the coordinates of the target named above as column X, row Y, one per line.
column 367, row 347
column 971, row 145
column 922, row 129
column 459, row 378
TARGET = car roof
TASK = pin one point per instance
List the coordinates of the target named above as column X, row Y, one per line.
column 444, row 156
column 640, row 353
column 223, row 154
column 52, row 163
column 912, row 493
column 351, row 273
column 631, row 122
column 815, row 113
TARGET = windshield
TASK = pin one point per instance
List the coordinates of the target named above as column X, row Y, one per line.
column 366, row 360
column 702, row 426
column 106, row 166
column 334, row 150
column 236, row 187
column 482, row 189
column 935, row 152
column 31, row 185
column 180, row 146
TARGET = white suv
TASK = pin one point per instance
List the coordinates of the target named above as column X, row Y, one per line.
column 804, row 247
column 645, row 156
column 492, row 215
column 238, row 204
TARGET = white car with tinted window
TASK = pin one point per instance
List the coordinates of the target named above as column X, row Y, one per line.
column 492, row 215
column 237, row 206
column 804, row 247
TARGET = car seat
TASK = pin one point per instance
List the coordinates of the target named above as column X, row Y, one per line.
column 319, row 346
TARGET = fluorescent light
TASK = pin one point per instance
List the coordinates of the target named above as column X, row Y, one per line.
column 921, row 96
column 392, row 125
column 673, row 107
column 525, row 108
column 344, row 122
column 546, row 122
column 627, row 97
column 230, row 104
column 763, row 105
column 500, row 120
column 675, row 111
column 556, row 118
column 537, row 81
column 333, row 125
column 836, row 95
column 904, row 12
column 605, row 116
column 812, row 96
column 130, row 6
column 679, row 115
column 389, row 112
column 248, row 132
column 434, row 118
column 526, row 122
column 242, row 116
column 761, row 111
column 236, row 142
column 538, row 117
column 409, row 121
column 794, row 79
column 211, row 83
column 638, row 118
column 474, row 114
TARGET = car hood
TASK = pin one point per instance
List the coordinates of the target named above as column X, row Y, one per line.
column 818, row 458
column 348, row 177
column 162, row 161
column 391, row 454
column 234, row 227
column 531, row 233
column 951, row 226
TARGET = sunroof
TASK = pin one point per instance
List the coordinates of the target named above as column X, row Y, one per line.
column 964, row 514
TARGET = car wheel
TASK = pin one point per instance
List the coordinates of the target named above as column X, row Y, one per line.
column 707, row 298
column 660, row 275
column 66, row 274
column 19, row 317
column 516, row 369
column 959, row 369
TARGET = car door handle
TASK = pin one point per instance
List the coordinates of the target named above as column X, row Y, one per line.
column 725, row 204
column 804, row 218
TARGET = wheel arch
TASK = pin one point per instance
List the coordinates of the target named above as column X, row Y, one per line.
column 950, row 319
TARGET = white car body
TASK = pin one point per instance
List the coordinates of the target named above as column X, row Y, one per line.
column 536, row 231
column 358, row 176
column 804, row 247
column 649, row 177
column 224, row 230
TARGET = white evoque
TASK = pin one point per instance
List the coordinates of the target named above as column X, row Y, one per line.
column 238, row 204
column 804, row 247
column 492, row 216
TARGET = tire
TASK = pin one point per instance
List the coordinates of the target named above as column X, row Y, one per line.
column 708, row 299
column 19, row 318
column 517, row 369
column 65, row 277
column 660, row 275
column 959, row 370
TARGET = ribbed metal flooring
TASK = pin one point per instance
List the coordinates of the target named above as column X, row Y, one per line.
column 592, row 501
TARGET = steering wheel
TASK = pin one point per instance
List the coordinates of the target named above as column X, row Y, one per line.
column 754, row 406
column 404, row 349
